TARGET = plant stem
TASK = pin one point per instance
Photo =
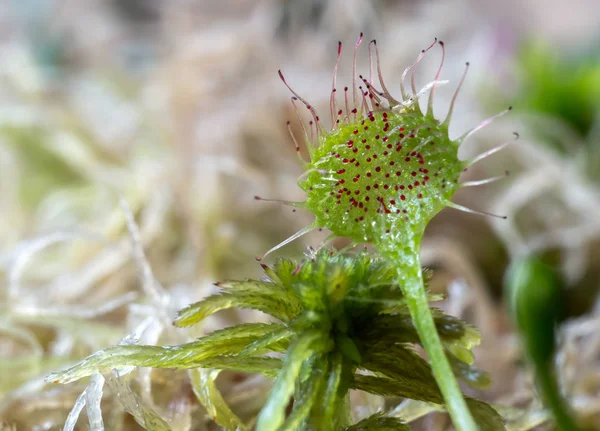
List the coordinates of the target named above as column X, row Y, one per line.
column 411, row 282
column 553, row 399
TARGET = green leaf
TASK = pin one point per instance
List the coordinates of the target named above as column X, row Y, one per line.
column 280, row 337
column 266, row 366
column 379, row 422
column 263, row 288
column 197, row 312
column 486, row 417
column 407, row 387
column 456, row 335
column 473, row 376
column 305, row 399
column 203, row 385
column 333, row 394
column 407, row 369
column 272, row 415
column 226, row 341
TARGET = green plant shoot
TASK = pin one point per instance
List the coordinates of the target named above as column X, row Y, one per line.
column 534, row 293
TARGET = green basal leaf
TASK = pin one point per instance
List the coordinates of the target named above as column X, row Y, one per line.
column 405, row 368
column 379, row 422
column 305, row 399
column 471, row 375
column 203, row 385
column 263, row 288
column 407, row 387
column 266, row 366
column 197, row 312
column 279, row 336
column 485, row 416
column 226, row 341
column 332, row 391
column 272, row 415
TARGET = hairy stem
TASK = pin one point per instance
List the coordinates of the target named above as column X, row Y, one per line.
column 411, row 281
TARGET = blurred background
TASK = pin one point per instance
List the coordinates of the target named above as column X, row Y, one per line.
column 152, row 124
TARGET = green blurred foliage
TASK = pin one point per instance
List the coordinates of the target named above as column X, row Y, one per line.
column 566, row 87
column 535, row 296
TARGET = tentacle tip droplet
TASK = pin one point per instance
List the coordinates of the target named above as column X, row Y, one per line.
column 510, row 108
column 468, row 63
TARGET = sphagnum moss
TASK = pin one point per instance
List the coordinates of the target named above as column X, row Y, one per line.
column 342, row 323
column 382, row 172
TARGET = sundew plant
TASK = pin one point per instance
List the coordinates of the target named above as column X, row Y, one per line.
column 346, row 321
column 379, row 175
